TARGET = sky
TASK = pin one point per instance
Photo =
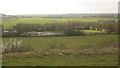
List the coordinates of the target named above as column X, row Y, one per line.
column 17, row 7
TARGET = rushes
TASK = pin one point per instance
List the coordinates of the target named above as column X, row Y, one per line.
column 12, row 46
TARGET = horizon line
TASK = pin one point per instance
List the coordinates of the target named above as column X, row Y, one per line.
column 64, row 13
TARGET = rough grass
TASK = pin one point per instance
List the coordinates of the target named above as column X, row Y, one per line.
column 74, row 42
column 94, row 50
column 69, row 58
column 80, row 60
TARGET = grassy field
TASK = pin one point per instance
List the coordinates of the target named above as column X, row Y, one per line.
column 77, row 42
column 92, row 31
column 9, row 24
column 76, row 50
column 79, row 60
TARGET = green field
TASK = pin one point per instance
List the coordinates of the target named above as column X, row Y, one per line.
column 73, row 49
column 9, row 24
column 77, row 42
column 86, row 50
column 92, row 31
column 79, row 60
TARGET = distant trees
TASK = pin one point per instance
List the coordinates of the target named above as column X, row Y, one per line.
column 118, row 28
column 73, row 32
column 109, row 27
column 73, row 28
column 26, row 27
column 68, row 28
column 10, row 34
column 1, row 30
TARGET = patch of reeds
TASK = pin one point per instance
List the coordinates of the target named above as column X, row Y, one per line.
column 12, row 46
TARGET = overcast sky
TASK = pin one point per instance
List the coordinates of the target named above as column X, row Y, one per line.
column 13, row 7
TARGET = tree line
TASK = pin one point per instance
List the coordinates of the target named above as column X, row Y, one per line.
column 68, row 28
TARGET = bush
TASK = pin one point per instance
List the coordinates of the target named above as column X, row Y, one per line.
column 10, row 34
column 73, row 32
column 14, row 46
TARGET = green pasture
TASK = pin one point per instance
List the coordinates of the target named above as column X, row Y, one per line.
column 9, row 24
column 38, row 58
column 67, row 42
column 92, row 31
column 79, row 60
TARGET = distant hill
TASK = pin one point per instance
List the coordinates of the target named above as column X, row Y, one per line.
column 86, row 15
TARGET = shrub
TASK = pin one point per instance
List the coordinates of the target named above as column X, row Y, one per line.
column 73, row 32
column 14, row 46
